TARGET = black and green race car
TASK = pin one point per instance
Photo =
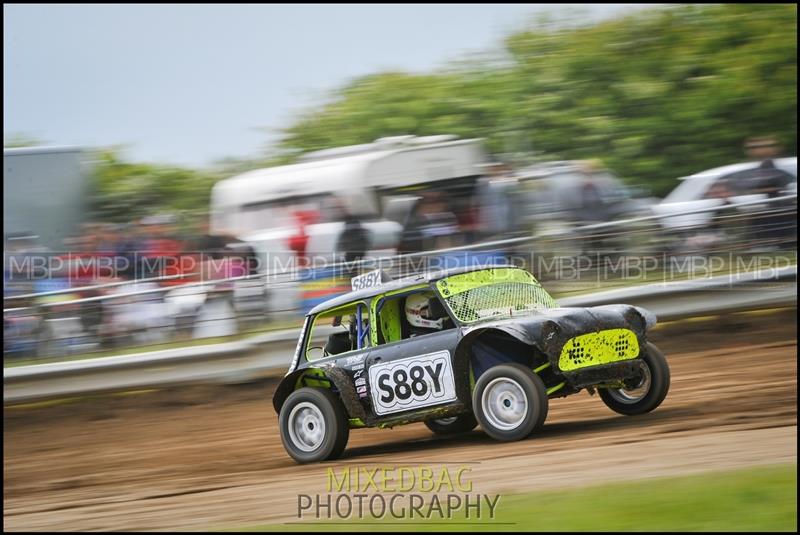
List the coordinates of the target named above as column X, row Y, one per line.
column 455, row 349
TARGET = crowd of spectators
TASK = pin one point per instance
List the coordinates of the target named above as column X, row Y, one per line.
column 149, row 258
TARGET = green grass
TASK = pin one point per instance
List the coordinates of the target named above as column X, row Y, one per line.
column 753, row 499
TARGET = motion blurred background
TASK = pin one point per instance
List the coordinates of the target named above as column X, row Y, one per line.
column 519, row 123
column 183, row 183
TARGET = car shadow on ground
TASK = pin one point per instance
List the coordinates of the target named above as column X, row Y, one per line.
column 553, row 430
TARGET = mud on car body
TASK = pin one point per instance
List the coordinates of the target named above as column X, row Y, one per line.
column 455, row 349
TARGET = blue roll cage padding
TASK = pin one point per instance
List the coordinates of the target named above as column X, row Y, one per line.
column 361, row 332
column 358, row 326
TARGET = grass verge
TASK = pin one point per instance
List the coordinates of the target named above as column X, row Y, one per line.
column 752, row 499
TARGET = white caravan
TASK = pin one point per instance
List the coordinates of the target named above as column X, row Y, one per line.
column 265, row 207
column 261, row 206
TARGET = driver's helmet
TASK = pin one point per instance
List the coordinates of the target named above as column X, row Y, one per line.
column 418, row 312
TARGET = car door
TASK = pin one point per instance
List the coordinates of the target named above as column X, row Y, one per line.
column 412, row 374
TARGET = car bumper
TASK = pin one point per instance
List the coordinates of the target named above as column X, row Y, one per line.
column 603, row 374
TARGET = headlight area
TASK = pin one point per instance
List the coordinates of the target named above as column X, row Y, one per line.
column 640, row 318
column 650, row 319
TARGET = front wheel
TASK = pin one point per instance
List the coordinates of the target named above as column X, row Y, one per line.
column 509, row 401
column 452, row 425
column 646, row 391
column 314, row 426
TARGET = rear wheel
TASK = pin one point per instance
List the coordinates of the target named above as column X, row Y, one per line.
column 313, row 425
column 510, row 402
column 646, row 391
column 452, row 425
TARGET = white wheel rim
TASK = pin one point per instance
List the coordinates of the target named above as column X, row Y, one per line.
column 504, row 404
column 306, row 426
column 636, row 394
column 446, row 421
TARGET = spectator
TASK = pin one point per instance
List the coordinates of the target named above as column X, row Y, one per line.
column 207, row 243
column 126, row 249
column 761, row 148
column 353, row 242
column 779, row 227
column 431, row 225
column 161, row 249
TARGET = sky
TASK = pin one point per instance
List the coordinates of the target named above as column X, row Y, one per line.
column 191, row 84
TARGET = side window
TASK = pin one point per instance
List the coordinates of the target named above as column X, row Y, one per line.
column 350, row 325
column 720, row 189
column 765, row 180
column 409, row 314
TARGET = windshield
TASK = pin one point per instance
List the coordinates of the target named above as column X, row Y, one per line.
column 491, row 293
column 690, row 189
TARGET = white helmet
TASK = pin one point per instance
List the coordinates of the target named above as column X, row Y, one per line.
column 418, row 312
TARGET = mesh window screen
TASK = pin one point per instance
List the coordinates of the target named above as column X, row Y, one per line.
column 503, row 299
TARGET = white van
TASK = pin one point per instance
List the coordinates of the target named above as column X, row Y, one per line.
column 273, row 209
column 261, row 207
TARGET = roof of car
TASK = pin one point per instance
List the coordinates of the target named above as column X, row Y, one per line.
column 743, row 166
column 398, row 284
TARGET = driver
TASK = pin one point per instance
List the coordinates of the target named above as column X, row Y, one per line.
column 423, row 317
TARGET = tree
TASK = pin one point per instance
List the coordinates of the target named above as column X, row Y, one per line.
column 656, row 95
column 122, row 191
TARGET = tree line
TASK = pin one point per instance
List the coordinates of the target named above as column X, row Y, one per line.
column 655, row 95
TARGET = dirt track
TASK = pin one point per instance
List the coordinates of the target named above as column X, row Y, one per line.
column 210, row 457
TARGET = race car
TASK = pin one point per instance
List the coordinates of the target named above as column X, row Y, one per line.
column 454, row 349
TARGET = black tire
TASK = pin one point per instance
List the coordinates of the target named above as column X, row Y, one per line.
column 450, row 426
column 659, row 378
column 518, row 379
column 329, row 409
